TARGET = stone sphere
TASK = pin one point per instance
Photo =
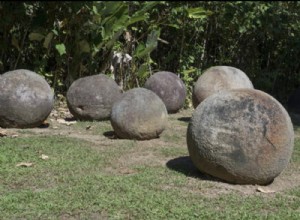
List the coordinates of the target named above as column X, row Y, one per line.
column 242, row 136
column 26, row 99
column 170, row 88
column 92, row 97
column 293, row 103
column 139, row 114
column 216, row 79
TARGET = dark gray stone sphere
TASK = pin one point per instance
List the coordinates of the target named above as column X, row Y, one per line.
column 216, row 79
column 293, row 103
column 170, row 88
column 92, row 97
column 242, row 136
column 26, row 99
column 139, row 114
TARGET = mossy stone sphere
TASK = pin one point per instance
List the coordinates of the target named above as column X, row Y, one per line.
column 140, row 114
column 170, row 88
column 26, row 99
column 92, row 97
column 242, row 136
column 216, row 79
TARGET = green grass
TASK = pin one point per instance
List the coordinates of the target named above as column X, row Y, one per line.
column 75, row 183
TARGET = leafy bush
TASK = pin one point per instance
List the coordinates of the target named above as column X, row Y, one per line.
column 66, row 40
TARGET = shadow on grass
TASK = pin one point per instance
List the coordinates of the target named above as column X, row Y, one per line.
column 110, row 134
column 185, row 165
column 184, row 119
column 44, row 125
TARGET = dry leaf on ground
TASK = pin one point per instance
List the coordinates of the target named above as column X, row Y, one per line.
column 88, row 127
column 63, row 121
column 3, row 133
column 265, row 190
column 44, row 157
column 24, row 164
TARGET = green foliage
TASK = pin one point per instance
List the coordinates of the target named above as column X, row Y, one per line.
column 66, row 40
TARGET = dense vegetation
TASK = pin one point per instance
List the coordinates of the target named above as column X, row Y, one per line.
column 67, row 40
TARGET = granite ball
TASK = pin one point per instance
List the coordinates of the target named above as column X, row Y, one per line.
column 26, row 99
column 216, row 79
column 92, row 97
column 242, row 136
column 170, row 88
column 140, row 114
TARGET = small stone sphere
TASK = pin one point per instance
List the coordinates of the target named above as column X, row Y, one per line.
column 170, row 88
column 242, row 136
column 140, row 114
column 216, row 79
column 26, row 99
column 91, row 97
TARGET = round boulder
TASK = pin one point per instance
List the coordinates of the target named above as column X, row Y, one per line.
column 26, row 99
column 139, row 114
column 293, row 103
column 92, row 97
column 169, row 87
column 216, row 79
column 242, row 136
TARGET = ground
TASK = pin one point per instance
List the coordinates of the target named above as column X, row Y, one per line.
column 172, row 142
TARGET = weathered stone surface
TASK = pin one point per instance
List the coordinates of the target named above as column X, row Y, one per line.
column 139, row 114
column 293, row 103
column 170, row 88
column 92, row 97
column 26, row 99
column 242, row 136
column 216, row 79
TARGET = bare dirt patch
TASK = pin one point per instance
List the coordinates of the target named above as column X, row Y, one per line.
column 149, row 153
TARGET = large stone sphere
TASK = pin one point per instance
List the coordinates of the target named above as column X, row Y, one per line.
column 293, row 103
column 242, row 136
column 26, row 99
column 216, row 79
column 139, row 114
column 92, row 97
column 170, row 88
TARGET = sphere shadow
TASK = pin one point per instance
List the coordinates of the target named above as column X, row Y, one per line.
column 110, row 134
column 184, row 119
column 185, row 165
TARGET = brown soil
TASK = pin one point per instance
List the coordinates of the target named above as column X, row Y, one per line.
column 146, row 153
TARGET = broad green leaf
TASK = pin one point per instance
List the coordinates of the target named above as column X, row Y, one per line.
column 140, row 48
column 143, row 71
column 84, row 46
column 198, row 13
column 55, row 32
column 61, row 49
column 146, row 7
column 151, row 44
column 15, row 43
column 135, row 19
column 186, row 72
column 36, row 36
column 48, row 40
column 95, row 10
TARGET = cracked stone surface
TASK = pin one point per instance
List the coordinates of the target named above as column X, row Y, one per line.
column 242, row 136
column 26, row 99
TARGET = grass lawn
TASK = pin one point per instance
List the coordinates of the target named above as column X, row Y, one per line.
column 89, row 174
